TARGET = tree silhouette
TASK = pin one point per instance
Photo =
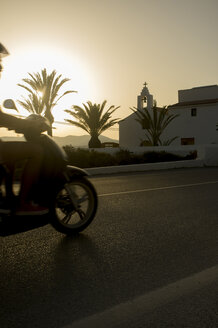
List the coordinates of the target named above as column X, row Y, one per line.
column 43, row 94
column 91, row 118
column 154, row 122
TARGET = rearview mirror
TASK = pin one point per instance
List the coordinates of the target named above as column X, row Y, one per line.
column 10, row 104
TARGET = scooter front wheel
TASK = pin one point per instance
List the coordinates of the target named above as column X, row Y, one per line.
column 74, row 215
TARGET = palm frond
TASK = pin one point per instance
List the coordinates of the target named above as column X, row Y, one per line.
column 25, row 87
column 78, row 124
column 49, row 85
column 91, row 118
column 154, row 122
column 64, row 94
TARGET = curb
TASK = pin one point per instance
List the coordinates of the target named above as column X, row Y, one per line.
column 145, row 167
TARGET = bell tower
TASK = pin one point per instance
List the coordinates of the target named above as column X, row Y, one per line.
column 145, row 99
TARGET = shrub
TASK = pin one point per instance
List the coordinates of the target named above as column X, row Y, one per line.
column 151, row 157
column 84, row 158
column 123, row 157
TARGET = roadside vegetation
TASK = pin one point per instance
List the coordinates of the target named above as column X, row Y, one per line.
column 154, row 123
column 93, row 119
column 43, row 95
column 43, row 89
column 85, row 158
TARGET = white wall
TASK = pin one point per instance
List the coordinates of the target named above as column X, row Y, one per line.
column 130, row 132
column 199, row 93
column 202, row 127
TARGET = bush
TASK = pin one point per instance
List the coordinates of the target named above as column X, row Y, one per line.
column 84, row 158
column 123, row 157
column 151, row 157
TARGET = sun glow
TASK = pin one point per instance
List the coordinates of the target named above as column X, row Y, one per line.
column 40, row 94
column 34, row 59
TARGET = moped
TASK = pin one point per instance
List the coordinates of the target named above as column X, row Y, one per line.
column 70, row 197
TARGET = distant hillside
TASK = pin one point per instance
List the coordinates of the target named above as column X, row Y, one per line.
column 75, row 141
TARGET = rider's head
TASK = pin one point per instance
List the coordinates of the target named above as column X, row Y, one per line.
column 3, row 53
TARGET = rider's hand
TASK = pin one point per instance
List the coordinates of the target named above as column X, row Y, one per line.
column 21, row 125
column 31, row 128
column 35, row 126
column 38, row 126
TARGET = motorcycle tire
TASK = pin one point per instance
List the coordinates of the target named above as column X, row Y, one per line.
column 65, row 218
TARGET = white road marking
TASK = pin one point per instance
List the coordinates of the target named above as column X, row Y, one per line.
column 120, row 315
column 158, row 188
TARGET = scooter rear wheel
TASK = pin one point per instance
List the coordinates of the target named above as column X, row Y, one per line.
column 70, row 219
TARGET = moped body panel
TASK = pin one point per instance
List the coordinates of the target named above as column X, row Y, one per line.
column 76, row 171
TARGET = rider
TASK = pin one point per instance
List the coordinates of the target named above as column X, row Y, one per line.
column 11, row 152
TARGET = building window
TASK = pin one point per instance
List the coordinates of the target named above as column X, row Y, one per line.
column 194, row 112
column 144, row 101
column 187, row 141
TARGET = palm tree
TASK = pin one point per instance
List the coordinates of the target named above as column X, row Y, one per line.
column 154, row 122
column 43, row 95
column 92, row 119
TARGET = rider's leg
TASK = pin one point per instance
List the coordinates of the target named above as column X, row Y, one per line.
column 33, row 154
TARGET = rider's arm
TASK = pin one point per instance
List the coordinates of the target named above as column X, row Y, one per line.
column 12, row 122
column 9, row 121
column 21, row 125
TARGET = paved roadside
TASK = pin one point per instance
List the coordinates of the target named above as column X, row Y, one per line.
column 145, row 167
column 135, row 312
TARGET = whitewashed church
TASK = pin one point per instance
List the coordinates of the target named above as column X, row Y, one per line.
column 196, row 124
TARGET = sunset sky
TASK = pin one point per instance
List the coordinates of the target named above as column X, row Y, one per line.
column 109, row 48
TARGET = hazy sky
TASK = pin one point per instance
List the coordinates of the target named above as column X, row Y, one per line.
column 109, row 48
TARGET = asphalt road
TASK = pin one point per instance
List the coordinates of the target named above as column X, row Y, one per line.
column 149, row 259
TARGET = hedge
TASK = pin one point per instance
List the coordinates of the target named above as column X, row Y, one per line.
column 90, row 158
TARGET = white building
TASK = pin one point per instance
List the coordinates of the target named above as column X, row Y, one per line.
column 196, row 124
column 130, row 131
